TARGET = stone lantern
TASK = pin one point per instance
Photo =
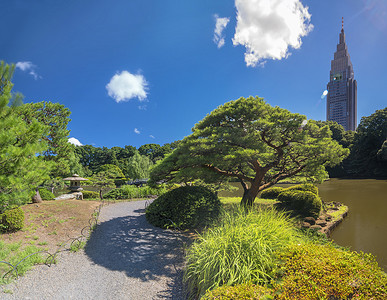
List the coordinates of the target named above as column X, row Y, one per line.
column 75, row 182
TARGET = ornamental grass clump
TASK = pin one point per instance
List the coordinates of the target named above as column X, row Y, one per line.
column 240, row 249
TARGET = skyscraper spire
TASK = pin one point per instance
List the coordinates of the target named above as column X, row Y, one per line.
column 342, row 87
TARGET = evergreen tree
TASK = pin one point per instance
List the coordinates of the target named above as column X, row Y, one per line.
column 21, row 165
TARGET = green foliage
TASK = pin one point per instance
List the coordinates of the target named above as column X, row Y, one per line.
column 246, row 291
column 313, row 271
column 271, row 193
column 248, row 139
column 21, row 166
column 12, row 220
column 111, row 170
column 132, row 192
column 102, row 181
column 186, row 207
column 306, row 187
column 304, row 203
column 138, row 166
column 55, row 117
column 90, row 195
column 46, row 194
column 239, row 249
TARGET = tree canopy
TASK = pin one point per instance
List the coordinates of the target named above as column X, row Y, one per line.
column 255, row 143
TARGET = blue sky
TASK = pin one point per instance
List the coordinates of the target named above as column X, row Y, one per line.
column 145, row 71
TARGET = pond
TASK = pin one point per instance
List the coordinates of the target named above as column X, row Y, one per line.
column 365, row 227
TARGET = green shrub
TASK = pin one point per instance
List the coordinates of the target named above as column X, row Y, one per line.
column 246, row 291
column 303, row 203
column 46, row 194
column 240, row 249
column 186, row 207
column 313, row 271
column 12, row 219
column 306, row 187
column 131, row 192
column 90, row 195
column 271, row 193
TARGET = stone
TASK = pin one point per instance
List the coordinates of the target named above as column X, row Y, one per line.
column 315, row 227
column 310, row 220
column 36, row 198
column 305, row 225
column 322, row 223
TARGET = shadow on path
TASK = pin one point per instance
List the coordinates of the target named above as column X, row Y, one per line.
column 131, row 245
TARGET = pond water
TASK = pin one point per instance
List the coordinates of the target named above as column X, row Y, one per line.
column 365, row 227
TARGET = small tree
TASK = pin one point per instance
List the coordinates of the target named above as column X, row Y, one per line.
column 103, row 182
column 256, row 143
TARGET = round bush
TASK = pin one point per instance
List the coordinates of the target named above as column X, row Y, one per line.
column 46, row 194
column 187, row 207
column 90, row 195
column 12, row 219
column 301, row 202
column 306, row 187
column 247, row 291
column 271, row 193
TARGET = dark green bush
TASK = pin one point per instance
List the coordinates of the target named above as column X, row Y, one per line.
column 306, row 187
column 186, row 207
column 90, row 195
column 271, row 193
column 304, row 203
column 46, row 194
column 12, row 220
column 246, row 291
column 311, row 271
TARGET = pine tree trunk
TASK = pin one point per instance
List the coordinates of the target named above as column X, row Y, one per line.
column 36, row 198
column 249, row 196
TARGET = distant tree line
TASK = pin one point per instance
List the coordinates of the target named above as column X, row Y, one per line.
column 367, row 145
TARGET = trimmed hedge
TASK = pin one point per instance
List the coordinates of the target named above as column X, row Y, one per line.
column 304, row 203
column 131, row 192
column 187, row 207
column 271, row 193
column 12, row 220
column 90, row 195
column 246, row 291
column 306, row 187
column 46, row 194
column 311, row 271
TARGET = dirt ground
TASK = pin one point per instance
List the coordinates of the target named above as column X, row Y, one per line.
column 51, row 223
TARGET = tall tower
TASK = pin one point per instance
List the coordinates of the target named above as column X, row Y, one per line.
column 342, row 88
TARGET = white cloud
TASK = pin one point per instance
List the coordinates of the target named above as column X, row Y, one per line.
column 125, row 86
column 27, row 66
column 74, row 141
column 324, row 94
column 220, row 25
column 268, row 28
column 136, row 131
column 152, row 137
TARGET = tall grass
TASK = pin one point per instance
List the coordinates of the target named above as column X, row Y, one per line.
column 240, row 249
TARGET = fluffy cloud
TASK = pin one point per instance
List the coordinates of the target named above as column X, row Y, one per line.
column 323, row 95
column 74, row 141
column 220, row 25
column 268, row 28
column 125, row 86
column 136, row 131
column 27, row 66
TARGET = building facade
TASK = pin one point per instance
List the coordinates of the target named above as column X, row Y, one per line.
column 342, row 88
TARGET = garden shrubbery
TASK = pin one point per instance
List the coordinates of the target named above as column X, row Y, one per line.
column 238, row 250
column 90, row 195
column 312, row 271
column 131, row 192
column 12, row 220
column 271, row 193
column 186, row 207
column 46, row 194
column 245, row 291
column 304, row 203
column 306, row 187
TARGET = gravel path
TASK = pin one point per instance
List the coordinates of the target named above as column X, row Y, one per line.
column 125, row 258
